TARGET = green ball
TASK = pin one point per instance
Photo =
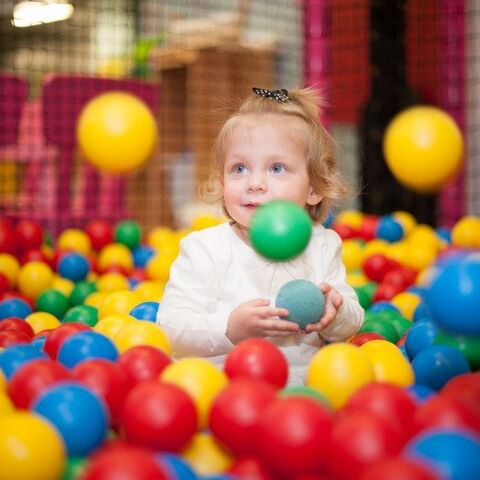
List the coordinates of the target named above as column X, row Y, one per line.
column 468, row 345
column 85, row 314
column 381, row 326
column 305, row 391
column 54, row 302
column 364, row 298
column 304, row 301
column 129, row 233
column 74, row 468
column 280, row 230
column 81, row 291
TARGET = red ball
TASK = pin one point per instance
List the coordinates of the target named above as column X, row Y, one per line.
column 36, row 255
column 142, row 363
column 398, row 469
column 8, row 338
column 236, row 412
column 100, row 233
column 29, row 235
column 368, row 228
column 17, row 324
column 442, row 411
column 57, row 336
column 465, row 387
column 32, row 379
column 377, row 266
column 160, row 416
column 401, row 277
column 4, row 284
column 295, row 435
column 108, row 380
column 257, row 358
column 385, row 292
column 345, row 231
column 359, row 440
column 362, row 338
column 19, row 295
column 8, row 237
column 250, row 468
column 390, row 403
column 125, row 463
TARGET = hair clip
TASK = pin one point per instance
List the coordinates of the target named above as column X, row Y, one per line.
column 280, row 96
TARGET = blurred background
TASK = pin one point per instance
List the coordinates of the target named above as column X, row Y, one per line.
column 189, row 59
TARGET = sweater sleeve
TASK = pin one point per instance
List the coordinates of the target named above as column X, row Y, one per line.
column 186, row 310
column 350, row 315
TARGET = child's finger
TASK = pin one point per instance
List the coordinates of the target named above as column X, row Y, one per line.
column 274, row 312
column 259, row 302
column 276, row 333
column 279, row 325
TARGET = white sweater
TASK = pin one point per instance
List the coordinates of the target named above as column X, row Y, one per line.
column 216, row 271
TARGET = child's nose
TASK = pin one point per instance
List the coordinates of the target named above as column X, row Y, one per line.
column 257, row 183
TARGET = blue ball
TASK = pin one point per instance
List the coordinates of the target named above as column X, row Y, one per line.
column 73, row 266
column 420, row 336
column 453, row 297
column 14, row 357
column 454, row 454
column 389, row 229
column 383, row 305
column 304, row 301
column 79, row 415
column 145, row 311
column 177, row 467
column 436, row 365
column 421, row 312
column 444, row 234
column 142, row 254
column 420, row 392
column 86, row 345
column 14, row 307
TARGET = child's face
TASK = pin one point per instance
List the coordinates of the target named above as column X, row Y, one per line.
column 265, row 160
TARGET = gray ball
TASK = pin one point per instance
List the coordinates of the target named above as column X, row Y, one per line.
column 303, row 299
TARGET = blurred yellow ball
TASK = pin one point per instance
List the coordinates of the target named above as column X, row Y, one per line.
column 466, row 232
column 388, row 363
column 150, row 290
column 206, row 456
column 338, row 370
column 425, row 235
column 115, row 254
column 407, row 220
column 356, row 279
column 111, row 325
column 3, row 381
column 141, row 332
column 201, row 379
column 423, row 148
column 374, row 247
column 161, row 236
column 112, row 282
column 406, row 302
column 352, row 254
column 30, row 448
column 158, row 267
column 34, row 278
column 418, row 255
column 63, row 285
column 95, row 299
column 6, row 405
column 40, row 321
column 205, row 221
column 352, row 218
column 75, row 240
column 396, row 251
column 10, row 267
column 121, row 301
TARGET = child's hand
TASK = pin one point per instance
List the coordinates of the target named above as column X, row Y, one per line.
column 256, row 318
column 333, row 301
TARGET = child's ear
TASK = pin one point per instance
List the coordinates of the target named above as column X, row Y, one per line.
column 314, row 198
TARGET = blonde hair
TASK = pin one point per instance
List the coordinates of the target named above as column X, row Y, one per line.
column 304, row 104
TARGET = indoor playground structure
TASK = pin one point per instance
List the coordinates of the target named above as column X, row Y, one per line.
column 108, row 115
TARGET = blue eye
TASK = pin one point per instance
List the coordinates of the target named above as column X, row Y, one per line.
column 240, row 168
column 278, row 168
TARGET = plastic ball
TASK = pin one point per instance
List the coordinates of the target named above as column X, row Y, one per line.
column 352, row 218
column 14, row 307
column 121, row 301
column 75, row 240
column 12, row 358
column 145, row 311
column 81, row 291
column 56, row 337
column 201, row 379
column 453, row 297
column 150, row 290
column 112, row 282
column 420, row 336
column 257, row 358
column 86, row 345
column 67, row 406
column 304, row 301
column 116, row 132
column 406, row 219
column 423, row 148
column 436, row 365
column 280, row 230
column 466, row 232
column 179, row 467
column 73, row 266
column 338, row 370
column 30, row 448
column 406, row 302
column 34, row 278
column 389, row 229
column 112, row 324
column 82, row 314
column 129, row 233
column 63, row 285
column 53, row 302
column 141, row 333
column 100, row 233
column 29, row 235
column 468, row 345
column 18, row 325
column 40, row 321
column 352, row 251
column 8, row 238
column 9, row 266
column 142, row 254
column 115, row 254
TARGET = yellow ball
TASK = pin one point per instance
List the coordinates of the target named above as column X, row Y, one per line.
column 418, row 255
column 201, row 379
column 396, row 251
column 30, row 448
column 338, row 370
column 141, row 332
column 34, row 278
column 388, row 363
column 115, row 254
column 356, row 279
column 63, row 285
column 3, row 381
column 6, row 405
column 466, row 232
column 423, row 148
column 111, row 325
column 426, row 235
column 158, row 267
column 406, row 302
column 206, row 456
column 116, row 132
column 10, row 267
column 96, row 299
column 161, row 236
column 75, row 240
column 150, row 290
column 352, row 218
column 374, row 247
column 205, row 221
column 121, row 301
column 40, row 321
column 352, row 254
column 406, row 219
column 112, row 282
